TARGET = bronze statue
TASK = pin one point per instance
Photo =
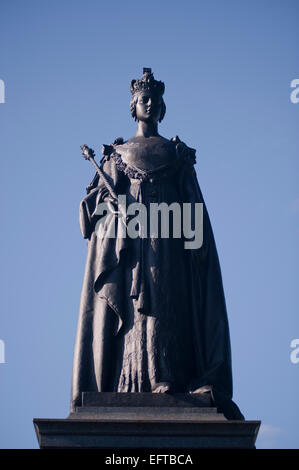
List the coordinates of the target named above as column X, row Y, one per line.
column 152, row 314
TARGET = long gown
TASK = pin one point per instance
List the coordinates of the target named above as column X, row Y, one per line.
column 151, row 311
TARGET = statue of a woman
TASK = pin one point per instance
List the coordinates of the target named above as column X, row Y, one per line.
column 152, row 314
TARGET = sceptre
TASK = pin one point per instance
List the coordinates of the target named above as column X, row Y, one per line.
column 89, row 154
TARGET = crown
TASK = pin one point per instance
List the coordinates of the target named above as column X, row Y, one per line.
column 147, row 83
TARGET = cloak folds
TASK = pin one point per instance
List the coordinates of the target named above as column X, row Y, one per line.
column 151, row 311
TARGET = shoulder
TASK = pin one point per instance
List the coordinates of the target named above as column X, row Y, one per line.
column 107, row 150
column 185, row 153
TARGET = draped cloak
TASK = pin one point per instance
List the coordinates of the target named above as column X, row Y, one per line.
column 151, row 311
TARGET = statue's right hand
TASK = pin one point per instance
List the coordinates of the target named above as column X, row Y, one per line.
column 111, row 203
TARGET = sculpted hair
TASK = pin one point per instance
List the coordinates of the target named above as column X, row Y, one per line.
column 133, row 103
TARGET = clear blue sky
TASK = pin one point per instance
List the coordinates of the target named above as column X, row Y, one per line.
column 227, row 66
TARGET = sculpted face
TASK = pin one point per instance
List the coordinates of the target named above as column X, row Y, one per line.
column 148, row 107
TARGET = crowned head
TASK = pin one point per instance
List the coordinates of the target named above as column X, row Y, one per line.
column 147, row 98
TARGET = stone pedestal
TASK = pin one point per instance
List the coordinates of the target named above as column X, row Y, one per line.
column 145, row 420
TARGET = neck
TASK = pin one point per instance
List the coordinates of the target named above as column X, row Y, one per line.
column 147, row 129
